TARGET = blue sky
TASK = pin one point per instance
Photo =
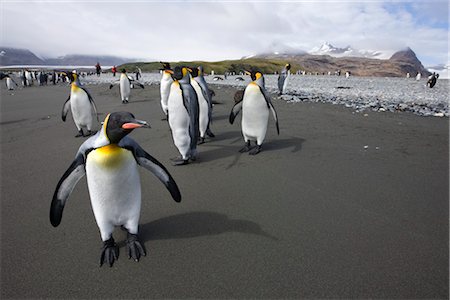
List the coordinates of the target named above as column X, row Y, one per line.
column 205, row 30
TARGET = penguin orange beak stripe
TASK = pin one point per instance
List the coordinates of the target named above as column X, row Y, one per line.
column 133, row 125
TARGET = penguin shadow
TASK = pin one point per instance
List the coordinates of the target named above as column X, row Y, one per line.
column 196, row 224
column 277, row 144
column 138, row 101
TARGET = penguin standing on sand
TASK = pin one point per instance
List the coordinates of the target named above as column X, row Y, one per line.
column 110, row 162
column 125, row 86
column 82, row 105
column 183, row 112
column 204, row 102
column 166, row 81
column 283, row 79
column 255, row 106
column 10, row 83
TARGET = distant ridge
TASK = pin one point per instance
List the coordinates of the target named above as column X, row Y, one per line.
column 13, row 56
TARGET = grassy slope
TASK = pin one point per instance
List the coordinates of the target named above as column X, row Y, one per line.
column 219, row 67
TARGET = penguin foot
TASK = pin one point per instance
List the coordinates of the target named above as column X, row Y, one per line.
column 209, row 133
column 135, row 248
column 110, row 252
column 80, row 133
column 180, row 162
column 90, row 133
column 255, row 150
column 246, row 148
column 202, row 141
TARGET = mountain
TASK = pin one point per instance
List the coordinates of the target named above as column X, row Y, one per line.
column 12, row 56
column 87, row 60
column 328, row 58
column 329, row 49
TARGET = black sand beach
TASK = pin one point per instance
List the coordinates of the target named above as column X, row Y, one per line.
column 339, row 205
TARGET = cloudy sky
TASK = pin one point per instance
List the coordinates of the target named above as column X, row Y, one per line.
column 206, row 30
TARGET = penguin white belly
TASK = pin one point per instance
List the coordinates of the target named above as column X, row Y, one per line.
column 124, row 88
column 81, row 108
column 179, row 120
column 203, row 108
column 114, row 188
column 285, row 82
column 166, row 81
column 255, row 114
column 9, row 83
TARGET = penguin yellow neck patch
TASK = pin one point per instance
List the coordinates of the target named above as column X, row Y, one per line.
column 110, row 156
column 74, row 87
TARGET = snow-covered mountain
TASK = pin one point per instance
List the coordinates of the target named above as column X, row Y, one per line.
column 329, row 49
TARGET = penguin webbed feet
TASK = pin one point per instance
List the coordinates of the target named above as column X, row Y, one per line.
column 135, row 248
column 80, row 133
column 201, row 141
column 110, row 252
column 246, row 148
column 255, row 150
column 251, row 150
column 210, row 134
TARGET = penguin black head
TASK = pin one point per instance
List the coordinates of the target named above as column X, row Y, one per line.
column 165, row 65
column 71, row 75
column 118, row 124
column 194, row 72
column 288, row 66
column 254, row 74
column 180, row 72
column 123, row 71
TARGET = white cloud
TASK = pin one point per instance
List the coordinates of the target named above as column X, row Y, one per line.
column 222, row 30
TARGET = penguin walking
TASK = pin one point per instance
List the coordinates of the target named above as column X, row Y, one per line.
column 183, row 112
column 166, row 81
column 125, row 86
column 418, row 76
column 29, row 77
column 431, row 82
column 283, row 79
column 110, row 162
column 255, row 106
column 82, row 105
column 10, row 83
column 204, row 102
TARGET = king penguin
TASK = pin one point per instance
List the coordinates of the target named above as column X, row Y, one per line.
column 109, row 160
column 125, row 86
column 204, row 96
column 82, row 105
column 10, row 83
column 183, row 115
column 166, row 81
column 255, row 106
column 283, row 79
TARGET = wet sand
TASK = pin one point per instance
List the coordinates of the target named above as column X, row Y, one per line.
column 315, row 215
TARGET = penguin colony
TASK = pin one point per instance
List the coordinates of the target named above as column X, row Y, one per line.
column 109, row 158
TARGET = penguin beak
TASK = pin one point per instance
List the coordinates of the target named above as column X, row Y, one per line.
column 135, row 124
column 247, row 72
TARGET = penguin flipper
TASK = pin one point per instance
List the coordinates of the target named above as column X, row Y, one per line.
column 65, row 109
column 235, row 111
column 270, row 106
column 153, row 165
column 65, row 187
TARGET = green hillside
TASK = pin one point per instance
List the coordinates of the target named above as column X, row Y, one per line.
column 267, row 66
